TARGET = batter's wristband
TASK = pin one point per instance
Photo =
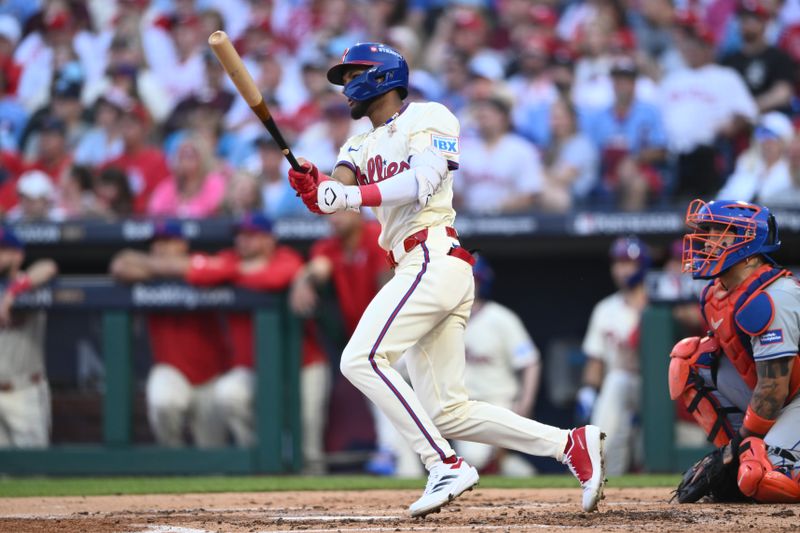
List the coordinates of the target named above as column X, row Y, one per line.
column 757, row 424
column 20, row 284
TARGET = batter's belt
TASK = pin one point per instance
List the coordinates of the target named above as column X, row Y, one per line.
column 415, row 239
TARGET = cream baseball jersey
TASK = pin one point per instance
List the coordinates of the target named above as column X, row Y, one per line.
column 387, row 150
column 612, row 332
column 497, row 345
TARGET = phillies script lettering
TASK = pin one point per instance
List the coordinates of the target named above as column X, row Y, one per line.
column 379, row 170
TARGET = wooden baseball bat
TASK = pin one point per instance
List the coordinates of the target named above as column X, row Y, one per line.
column 232, row 63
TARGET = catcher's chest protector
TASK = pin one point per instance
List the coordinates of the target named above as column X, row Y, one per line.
column 721, row 310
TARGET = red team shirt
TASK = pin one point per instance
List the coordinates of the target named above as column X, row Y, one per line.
column 276, row 275
column 355, row 277
column 193, row 343
column 145, row 169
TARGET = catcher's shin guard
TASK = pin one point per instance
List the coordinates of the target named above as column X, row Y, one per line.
column 686, row 383
column 758, row 477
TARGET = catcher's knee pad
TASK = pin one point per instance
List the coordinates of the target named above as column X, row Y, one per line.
column 686, row 383
column 758, row 477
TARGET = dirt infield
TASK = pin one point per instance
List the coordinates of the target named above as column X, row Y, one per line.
column 480, row 510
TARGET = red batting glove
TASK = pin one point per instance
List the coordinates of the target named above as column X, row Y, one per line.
column 310, row 199
column 306, row 180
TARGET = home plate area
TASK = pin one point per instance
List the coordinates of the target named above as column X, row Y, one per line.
column 629, row 509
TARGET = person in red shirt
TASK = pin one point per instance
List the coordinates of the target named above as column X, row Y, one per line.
column 353, row 263
column 189, row 350
column 258, row 263
column 145, row 165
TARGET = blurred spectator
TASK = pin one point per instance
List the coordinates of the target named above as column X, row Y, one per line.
column 76, row 197
column 700, row 104
column 189, row 351
column 127, row 74
column 762, row 174
column 212, row 97
column 531, row 85
column 791, row 197
column 144, row 165
column 52, row 155
column 243, row 194
column 24, row 391
column 278, row 197
column 315, row 82
column 611, row 380
column 195, row 189
column 320, row 142
column 499, row 171
column 768, row 71
column 503, row 367
column 631, row 137
column 103, row 141
column 114, row 197
column 454, row 78
column 653, row 28
column 571, row 160
column 13, row 117
column 463, row 31
column 36, row 199
column 173, row 47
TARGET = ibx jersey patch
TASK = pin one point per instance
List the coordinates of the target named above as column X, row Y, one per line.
column 445, row 143
column 773, row 336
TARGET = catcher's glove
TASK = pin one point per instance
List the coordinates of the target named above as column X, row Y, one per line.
column 713, row 476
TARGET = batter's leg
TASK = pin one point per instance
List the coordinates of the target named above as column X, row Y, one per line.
column 436, row 368
column 169, row 396
column 402, row 312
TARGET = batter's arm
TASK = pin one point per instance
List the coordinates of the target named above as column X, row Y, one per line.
column 344, row 174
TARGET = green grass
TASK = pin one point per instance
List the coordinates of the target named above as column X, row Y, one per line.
column 90, row 486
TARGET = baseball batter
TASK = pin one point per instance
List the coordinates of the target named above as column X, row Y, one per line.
column 403, row 169
column 741, row 382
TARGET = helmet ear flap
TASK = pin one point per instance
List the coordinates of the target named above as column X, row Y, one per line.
column 772, row 230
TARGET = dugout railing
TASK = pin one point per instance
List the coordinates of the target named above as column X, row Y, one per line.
column 277, row 351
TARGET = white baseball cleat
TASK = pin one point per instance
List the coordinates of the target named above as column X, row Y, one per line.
column 586, row 460
column 446, row 482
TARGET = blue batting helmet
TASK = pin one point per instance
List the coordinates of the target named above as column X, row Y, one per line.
column 386, row 70
column 484, row 276
column 725, row 233
column 631, row 248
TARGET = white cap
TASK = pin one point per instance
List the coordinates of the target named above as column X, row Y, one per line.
column 777, row 124
column 487, row 67
column 10, row 29
column 35, row 184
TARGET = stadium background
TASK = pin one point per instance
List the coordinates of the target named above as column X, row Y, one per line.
column 551, row 266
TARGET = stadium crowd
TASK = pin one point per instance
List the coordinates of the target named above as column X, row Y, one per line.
column 117, row 108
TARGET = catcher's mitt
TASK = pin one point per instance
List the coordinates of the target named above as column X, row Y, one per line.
column 711, row 477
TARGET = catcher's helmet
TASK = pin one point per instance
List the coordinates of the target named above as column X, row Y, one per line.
column 726, row 232
column 631, row 248
column 387, row 70
column 484, row 277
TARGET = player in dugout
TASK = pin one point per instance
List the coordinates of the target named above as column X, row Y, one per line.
column 741, row 382
column 24, row 391
column 403, row 168
column 190, row 351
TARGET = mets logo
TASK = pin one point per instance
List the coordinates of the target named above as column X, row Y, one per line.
column 379, row 170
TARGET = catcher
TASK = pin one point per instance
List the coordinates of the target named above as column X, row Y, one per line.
column 741, row 382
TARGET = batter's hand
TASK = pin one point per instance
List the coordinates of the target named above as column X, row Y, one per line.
column 334, row 196
column 306, row 180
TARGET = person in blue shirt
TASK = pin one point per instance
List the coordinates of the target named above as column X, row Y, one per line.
column 630, row 135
